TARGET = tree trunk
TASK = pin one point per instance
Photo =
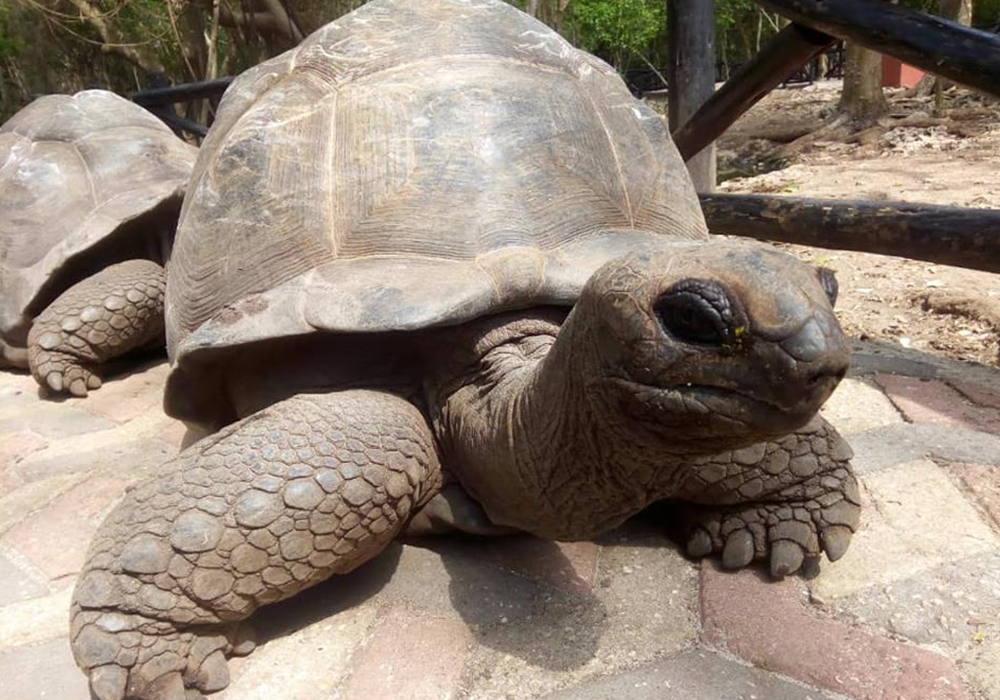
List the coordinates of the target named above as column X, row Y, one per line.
column 958, row 11
column 211, row 58
column 861, row 99
column 557, row 21
column 691, row 76
column 532, row 8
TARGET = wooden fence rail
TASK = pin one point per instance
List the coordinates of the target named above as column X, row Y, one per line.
column 944, row 235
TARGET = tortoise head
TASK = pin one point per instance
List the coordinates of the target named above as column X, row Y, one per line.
column 712, row 346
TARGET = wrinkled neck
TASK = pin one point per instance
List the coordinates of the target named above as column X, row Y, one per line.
column 528, row 441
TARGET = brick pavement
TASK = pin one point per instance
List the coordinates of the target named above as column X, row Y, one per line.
column 911, row 613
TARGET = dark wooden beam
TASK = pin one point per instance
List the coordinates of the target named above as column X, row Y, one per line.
column 691, row 75
column 793, row 47
column 180, row 124
column 945, row 235
column 185, row 92
column 939, row 46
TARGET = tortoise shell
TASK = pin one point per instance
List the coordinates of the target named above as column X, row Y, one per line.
column 86, row 180
column 414, row 164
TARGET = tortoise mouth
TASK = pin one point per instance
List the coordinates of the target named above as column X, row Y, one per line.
column 705, row 409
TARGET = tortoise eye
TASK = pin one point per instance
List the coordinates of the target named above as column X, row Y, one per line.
column 828, row 280
column 690, row 317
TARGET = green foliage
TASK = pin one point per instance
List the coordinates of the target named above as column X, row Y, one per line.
column 617, row 28
column 10, row 44
column 986, row 14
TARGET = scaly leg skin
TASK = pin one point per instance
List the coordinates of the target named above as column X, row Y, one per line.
column 312, row 486
column 785, row 501
column 106, row 315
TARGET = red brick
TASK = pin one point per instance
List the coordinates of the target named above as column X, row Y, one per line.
column 55, row 539
column 930, row 401
column 768, row 625
column 410, row 658
column 978, row 394
column 982, row 482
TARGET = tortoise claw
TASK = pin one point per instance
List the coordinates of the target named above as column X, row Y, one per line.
column 108, row 682
column 835, row 540
column 786, row 558
column 700, row 544
column 739, row 550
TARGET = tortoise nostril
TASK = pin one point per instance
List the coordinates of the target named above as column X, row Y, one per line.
column 826, row 375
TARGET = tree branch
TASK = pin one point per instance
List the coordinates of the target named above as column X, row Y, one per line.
column 145, row 60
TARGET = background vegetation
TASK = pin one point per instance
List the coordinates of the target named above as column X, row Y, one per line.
column 125, row 45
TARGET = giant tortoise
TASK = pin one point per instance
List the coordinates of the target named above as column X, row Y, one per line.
column 437, row 269
column 91, row 186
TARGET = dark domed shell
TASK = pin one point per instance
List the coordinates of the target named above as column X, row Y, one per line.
column 73, row 171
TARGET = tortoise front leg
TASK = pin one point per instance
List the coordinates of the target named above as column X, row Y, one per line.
column 784, row 501
column 309, row 487
column 106, row 315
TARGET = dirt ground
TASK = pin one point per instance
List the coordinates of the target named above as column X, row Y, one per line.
column 946, row 157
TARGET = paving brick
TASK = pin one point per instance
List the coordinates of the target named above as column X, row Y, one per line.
column 124, row 457
column 42, row 672
column 933, row 401
column 16, row 389
column 128, row 396
column 309, row 663
column 767, row 624
column 693, row 675
column 895, row 444
column 9, row 482
column 16, row 584
column 439, row 582
column 977, row 394
column 954, row 608
column 644, row 607
column 981, row 669
column 857, row 406
column 55, row 539
column 35, row 620
column 411, row 657
column 53, row 420
column 982, row 482
column 913, row 519
column 650, row 593
column 569, row 565
column 16, row 447
column 24, row 500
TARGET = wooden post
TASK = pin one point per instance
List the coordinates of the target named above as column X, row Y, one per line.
column 945, row 235
column 791, row 49
column 691, row 75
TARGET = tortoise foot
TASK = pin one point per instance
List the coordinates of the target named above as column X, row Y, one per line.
column 789, row 532
column 63, row 373
column 133, row 657
column 117, row 310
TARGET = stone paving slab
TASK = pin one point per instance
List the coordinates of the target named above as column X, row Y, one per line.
column 910, row 613
column 695, row 675
column 42, row 672
column 914, row 519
